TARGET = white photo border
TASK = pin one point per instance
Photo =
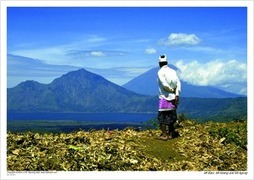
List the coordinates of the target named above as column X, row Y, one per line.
column 123, row 175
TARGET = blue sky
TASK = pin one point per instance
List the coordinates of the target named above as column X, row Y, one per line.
column 207, row 44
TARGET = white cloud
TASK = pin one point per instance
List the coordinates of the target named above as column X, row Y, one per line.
column 56, row 54
column 230, row 75
column 243, row 91
column 49, row 55
column 97, row 53
column 150, row 51
column 177, row 39
column 95, row 39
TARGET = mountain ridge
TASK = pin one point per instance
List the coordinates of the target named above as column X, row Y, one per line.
column 83, row 91
column 76, row 91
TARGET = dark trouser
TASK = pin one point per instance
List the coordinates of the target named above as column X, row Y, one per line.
column 167, row 119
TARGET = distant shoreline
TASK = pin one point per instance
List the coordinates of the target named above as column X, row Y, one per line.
column 67, row 122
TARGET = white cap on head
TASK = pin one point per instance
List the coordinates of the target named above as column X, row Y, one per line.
column 163, row 58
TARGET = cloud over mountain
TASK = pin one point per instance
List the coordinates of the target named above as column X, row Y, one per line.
column 227, row 75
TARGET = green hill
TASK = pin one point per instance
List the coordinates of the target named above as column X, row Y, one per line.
column 209, row 146
column 220, row 110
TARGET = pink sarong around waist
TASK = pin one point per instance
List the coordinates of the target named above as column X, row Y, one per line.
column 165, row 105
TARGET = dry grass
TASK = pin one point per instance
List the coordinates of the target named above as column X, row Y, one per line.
column 200, row 147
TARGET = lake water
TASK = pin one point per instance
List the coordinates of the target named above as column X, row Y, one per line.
column 67, row 122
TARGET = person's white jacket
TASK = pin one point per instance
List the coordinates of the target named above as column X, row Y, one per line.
column 169, row 83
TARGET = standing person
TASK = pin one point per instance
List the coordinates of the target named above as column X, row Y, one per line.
column 169, row 90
